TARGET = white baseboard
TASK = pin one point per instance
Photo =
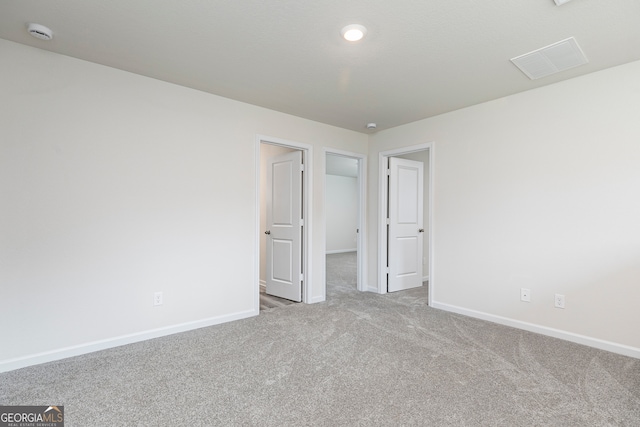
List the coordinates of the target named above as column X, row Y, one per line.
column 425, row 278
column 77, row 350
column 341, row 251
column 543, row 330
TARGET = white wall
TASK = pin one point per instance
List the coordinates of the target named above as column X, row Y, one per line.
column 341, row 200
column 538, row 190
column 114, row 186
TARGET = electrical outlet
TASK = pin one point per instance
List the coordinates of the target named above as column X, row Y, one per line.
column 525, row 294
column 157, row 298
column 559, row 301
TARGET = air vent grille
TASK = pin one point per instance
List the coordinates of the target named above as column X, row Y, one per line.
column 551, row 59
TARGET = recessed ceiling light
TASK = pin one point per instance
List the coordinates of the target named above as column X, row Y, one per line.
column 40, row 31
column 353, row 32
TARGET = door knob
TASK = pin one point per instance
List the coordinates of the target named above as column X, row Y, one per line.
column 267, row 232
column 421, row 230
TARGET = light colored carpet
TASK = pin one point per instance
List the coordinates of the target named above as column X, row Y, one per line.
column 357, row 360
column 342, row 270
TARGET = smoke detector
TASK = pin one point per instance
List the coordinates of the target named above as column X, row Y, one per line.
column 371, row 126
column 40, row 31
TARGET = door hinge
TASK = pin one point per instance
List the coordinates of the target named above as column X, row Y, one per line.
column 388, row 221
column 388, row 172
column 301, row 277
column 387, row 270
column 301, row 168
column 301, row 222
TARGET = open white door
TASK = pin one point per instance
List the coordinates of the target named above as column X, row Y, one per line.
column 284, row 226
column 406, row 229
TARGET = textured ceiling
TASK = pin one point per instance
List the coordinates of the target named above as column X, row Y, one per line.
column 419, row 59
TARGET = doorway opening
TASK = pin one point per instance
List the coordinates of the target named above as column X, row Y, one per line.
column 412, row 232
column 345, row 220
column 283, row 223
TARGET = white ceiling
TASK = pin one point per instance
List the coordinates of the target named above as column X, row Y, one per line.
column 419, row 58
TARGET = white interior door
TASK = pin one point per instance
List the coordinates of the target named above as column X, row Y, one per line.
column 406, row 228
column 284, row 226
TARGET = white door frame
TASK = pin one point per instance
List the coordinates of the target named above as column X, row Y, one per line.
column 362, row 216
column 382, row 212
column 307, row 202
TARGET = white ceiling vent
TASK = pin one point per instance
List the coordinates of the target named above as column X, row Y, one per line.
column 551, row 59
